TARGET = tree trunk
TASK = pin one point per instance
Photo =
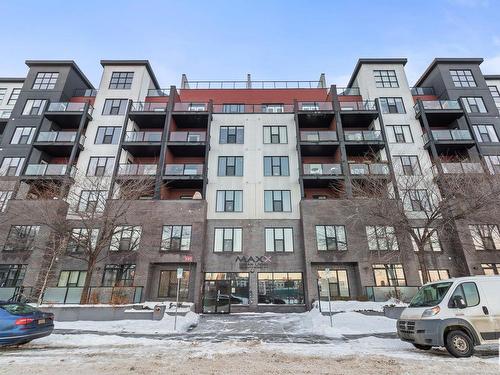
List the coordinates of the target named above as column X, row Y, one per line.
column 84, row 299
column 46, row 279
column 422, row 263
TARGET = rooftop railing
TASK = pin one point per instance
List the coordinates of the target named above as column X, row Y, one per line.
column 143, row 136
column 46, row 170
column 193, row 137
column 253, row 108
column 366, row 105
column 318, row 136
column 191, row 107
column 315, row 106
column 137, row 169
column 69, row 107
column 148, row 107
column 345, row 91
column 369, row 169
column 363, row 135
column 422, row 91
column 322, row 169
column 449, row 135
column 158, row 92
column 85, row 92
column 183, row 169
column 253, row 85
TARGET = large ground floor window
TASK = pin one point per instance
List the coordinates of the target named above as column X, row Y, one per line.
column 239, row 284
column 281, row 288
column 12, row 275
column 338, row 283
column 168, row 285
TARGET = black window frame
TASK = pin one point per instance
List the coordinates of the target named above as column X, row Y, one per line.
column 121, row 270
column 331, row 243
column 396, row 135
column 15, row 274
column 275, row 134
column 410, row 165
column 279, row 164
column 232, row 135
column 386, row 79
column 107, row 168
column 225, row 163
column 462, row 78
column 227, row 202
column 14, row 95
column 22, row 238
column 174, row 229
column 389, row 103
column 45, row 81
column 115, row 135
column 36, row 109
column 472, row 102
column 278, row 205
column 229, row 241
column 121, row 80
column 392, row 280
column 277, row 241
column 117, row 107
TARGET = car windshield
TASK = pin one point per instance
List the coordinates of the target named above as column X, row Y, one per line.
column 430, row 295
column 18, row 308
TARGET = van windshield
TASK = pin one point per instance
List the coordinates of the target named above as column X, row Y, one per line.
column 430, row 295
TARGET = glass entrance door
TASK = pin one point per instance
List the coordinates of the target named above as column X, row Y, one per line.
column 216, row 297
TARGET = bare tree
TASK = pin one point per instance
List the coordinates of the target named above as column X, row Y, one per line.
column 423, row 205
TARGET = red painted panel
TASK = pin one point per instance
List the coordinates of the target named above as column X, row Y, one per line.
column 424, row 97
column 83, row 99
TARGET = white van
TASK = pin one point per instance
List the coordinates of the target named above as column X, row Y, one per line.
column 456, row 313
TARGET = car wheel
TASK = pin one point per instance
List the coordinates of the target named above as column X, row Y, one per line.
column 422, row 347
column 459, row 344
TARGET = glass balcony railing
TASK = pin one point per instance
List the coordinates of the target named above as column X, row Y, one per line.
column 363, row 135
column 191, row 107
column 5, row 114
column 461, row 167
column 449, row 135
column 55, row 137
column 137, row 169
column 85, row 92
column 318, row 136
column 366, row 105
column 69, row 107
column 253, row 108
column 422, row 91
column 146, row 136
column 315, row 106
column 148, row 107
column 441, row 104
column 183, row 169
column 345, row 91
column 158, row 92
column 369, row 169
column 193, row 137
column 322, row 169
column 46, row 170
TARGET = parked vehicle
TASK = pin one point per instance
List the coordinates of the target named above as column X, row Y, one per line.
column 457, row 313
column 20, row 323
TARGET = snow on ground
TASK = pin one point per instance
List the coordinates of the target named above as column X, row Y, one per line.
column 341, row 306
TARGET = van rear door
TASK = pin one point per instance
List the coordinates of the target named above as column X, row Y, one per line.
column 490, row 289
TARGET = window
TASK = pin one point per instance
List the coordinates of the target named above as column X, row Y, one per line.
column 21, row 237
column 114, row 107
column 434, row 275
column 494, row 92
column 2, row 93
column 72, row 279
column 338, row 284
column 276, row 166
column 12, row 275
column 23, row 136
column 408, row 165
column 230, row 166
column 392, row 105
column 485, row 236
column 126, row 238
column 176, row 238
column 389, row 275
column 491, row 268
column 277, row 201
column 233, row 108
column 474, row 105
column 331, row 237
column 381, row 238
column 229, row 201
column 168, row 285
column 231, row 134
column 275, row 134
column 468, row 291
column 118, row 275
column 416, row 200
column 11, row 166
column 493, row 163
column 14, row 95
column 431, row 244
column 228, row 240
column 279, row 240
column 34, row 107
column 45, row 81
column 121, row 80
column 92, row 201
column 485, row 133
column 100, row 166
column 280, row 288
column 5, row 196
column 399, row 134
column 462, row 78
column 108, row 135
column 82, row 239
column 385, row 78
column 239, row 284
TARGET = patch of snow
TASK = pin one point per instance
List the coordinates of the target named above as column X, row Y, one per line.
column 341, row 306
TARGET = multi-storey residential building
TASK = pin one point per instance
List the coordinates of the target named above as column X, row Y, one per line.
column 252, row 180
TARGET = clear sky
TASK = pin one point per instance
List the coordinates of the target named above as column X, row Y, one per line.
column 271, row 39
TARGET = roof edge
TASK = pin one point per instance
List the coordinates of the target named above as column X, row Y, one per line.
column 12, row 79
column 447, row 60
column 134, row 62
column 366, row 60
column 491, row 76
column 71, row 63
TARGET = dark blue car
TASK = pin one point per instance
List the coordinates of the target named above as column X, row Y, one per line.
column 20, row 323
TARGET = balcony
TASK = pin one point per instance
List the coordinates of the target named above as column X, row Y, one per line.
column 137, row 170
column 58, row 143
column 318, row 143
column 68, row 114
column 369, row 169
column 422, row 91
column 450, row 140
column 439, row 112
column 47, row 171
column 348, row 91
column 358, row 113
column 187, row 143
column 184, row 175
column 317, row 175
column 459, row 168
column 143, row 143
column 5, row 115
column 254, row 108
column 363, row 141
column 86, row 93
column 191, row 115
column 315, row 114
column 158, row 92
column 148, row 114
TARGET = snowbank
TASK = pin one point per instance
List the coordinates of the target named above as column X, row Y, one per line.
column 344, row 306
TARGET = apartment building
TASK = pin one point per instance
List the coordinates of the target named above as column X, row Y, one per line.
column 252, row 180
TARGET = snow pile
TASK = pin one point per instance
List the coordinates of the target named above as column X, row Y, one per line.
column 344, row 306
column 166, row 325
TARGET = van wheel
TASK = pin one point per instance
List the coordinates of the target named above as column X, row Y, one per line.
column 459, row 344
column 422, row 347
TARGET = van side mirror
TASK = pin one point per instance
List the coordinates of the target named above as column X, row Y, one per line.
column 459, row 302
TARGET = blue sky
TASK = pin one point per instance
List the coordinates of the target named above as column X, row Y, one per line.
column 270, row 39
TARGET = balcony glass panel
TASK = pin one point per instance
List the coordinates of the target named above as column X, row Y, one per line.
column 318, row 136
column 148, row 107
column 441, row 104
column 56, row 137
column 342, row 91
column 158, row 92
column 363, row 135
column 187, row 137
column 366, row 105
column 315, row 106
column 451, row 135
column 68, row 107
column 462, row 167
column 143, row 137
column 422, row 91
column 191, row 107
column 137, row 169
column 365, row 169
column 183, row 169
column 5, row 114
column 45, row 170
column 323, row 169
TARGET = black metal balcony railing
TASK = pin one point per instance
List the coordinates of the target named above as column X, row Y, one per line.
column 47, row 170
column 363, row 135
column 146, row 136
column 190, row 137
column 148, row 107
column 184, row 169
column 137, row 169
column 318, row 136
column 158, row 92
column 315, row 106
column 346, row 91
column 373, row 169
column 366, row 105
column 69, row 107
column 422, row 91
column 85, row 92
column 449, row 135
column 322, row 169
